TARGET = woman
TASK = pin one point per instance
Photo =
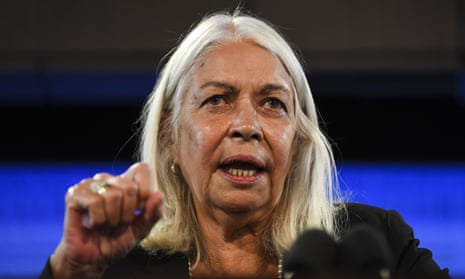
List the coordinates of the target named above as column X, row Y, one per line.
column 234, row 169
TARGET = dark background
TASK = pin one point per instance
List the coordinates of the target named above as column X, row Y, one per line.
column 388, row 76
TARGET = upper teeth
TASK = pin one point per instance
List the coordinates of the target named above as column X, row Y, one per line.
column 240, row 172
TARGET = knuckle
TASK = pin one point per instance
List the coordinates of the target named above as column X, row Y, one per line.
column 70, row 192
column 85, row 181
column 141, row 168
column 101, row 175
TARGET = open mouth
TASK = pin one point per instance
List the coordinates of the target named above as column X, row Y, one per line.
column 242, row 168
column 241, row 172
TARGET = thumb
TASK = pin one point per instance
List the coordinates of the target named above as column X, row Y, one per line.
column 142, row 174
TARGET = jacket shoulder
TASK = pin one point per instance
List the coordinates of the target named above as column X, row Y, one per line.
column 359, row 214
column 407, row 255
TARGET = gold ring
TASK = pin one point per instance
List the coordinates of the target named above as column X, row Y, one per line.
column 99, row 187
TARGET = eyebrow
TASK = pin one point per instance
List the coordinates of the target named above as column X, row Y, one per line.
column 219, row 85
column 269, row 87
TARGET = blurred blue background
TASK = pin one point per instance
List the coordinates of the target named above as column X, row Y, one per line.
column 388, row 78
column 430, row 197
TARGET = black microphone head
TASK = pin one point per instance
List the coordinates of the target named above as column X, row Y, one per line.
column 364, row 250
column 313, row 251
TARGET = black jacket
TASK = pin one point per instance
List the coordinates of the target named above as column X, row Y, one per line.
column 409, row 260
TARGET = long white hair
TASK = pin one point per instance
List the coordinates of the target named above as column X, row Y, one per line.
column 310, row 191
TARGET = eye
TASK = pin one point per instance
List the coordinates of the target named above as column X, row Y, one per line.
column 275, row 104
column 216, row 100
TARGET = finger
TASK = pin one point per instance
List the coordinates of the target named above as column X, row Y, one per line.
column 154, row 207
column 112, row 202
column 103, row 176
column 141, row 174
column 153, row 212
column 83, row 203
column 129, row 198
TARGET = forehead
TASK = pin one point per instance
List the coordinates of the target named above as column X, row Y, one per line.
column 242, row 61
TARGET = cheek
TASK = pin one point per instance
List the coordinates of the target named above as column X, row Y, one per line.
column 197, row 139
column 282, row 149
column 283, row 140
column 197, row 145
column 282, row 152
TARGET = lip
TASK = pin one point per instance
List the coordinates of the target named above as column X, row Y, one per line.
column 246, row 159
column 243, row 162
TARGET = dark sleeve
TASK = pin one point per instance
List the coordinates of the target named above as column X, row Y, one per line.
column 408, row 257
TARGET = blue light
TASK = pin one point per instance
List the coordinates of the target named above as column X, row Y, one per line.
column 430, row 197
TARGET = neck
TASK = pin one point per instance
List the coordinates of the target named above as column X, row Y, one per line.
column 233, row 247
column 240, row 266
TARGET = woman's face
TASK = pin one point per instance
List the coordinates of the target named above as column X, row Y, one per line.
column 237, row 126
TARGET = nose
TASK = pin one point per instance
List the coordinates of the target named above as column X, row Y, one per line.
column 245, row 124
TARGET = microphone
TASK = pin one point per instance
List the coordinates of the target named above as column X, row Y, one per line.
column 365, row 250
column 313, row 252
column 362, row 252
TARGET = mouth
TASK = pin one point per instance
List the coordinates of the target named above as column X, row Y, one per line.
column 242, row 166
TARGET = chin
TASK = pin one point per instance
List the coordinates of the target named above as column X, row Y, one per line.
column 243, row 207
